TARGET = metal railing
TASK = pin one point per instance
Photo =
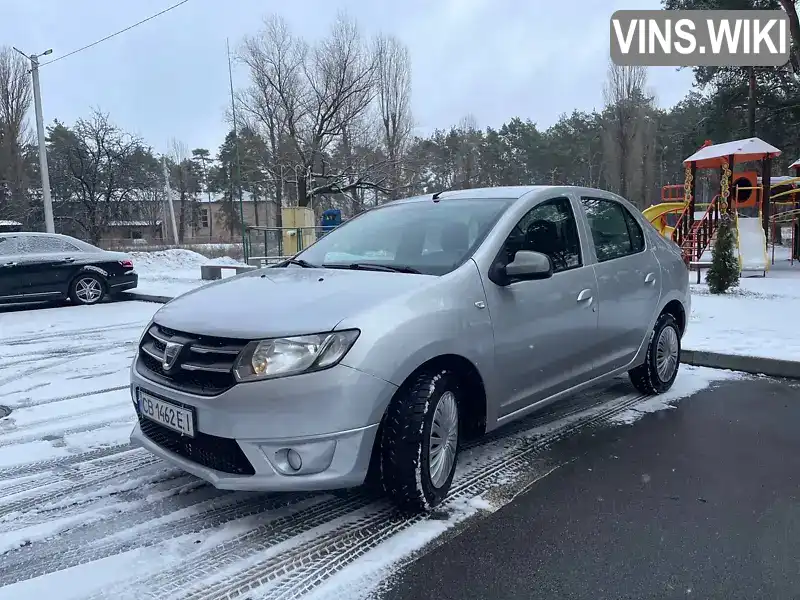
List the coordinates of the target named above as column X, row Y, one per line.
column 270, row 245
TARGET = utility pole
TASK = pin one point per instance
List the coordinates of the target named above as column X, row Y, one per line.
column 168, row 191
column 37, row 102
column 238, row 158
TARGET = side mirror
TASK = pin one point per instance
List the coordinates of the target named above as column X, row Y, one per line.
column 527, row 266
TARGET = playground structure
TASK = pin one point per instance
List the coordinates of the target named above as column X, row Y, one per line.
column 760, row 205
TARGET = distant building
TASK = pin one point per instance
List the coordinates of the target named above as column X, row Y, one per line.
column 9, row 226
column 209, row 227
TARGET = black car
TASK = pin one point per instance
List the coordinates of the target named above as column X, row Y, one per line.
column 45, row 267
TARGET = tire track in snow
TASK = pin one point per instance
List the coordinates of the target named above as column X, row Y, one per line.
column 30, row 403
column 78, row 481
column 69, row 553
column 60, row 433
column 73, row 333
column 300, row 572
column 64, row 462
column 35, row 370
column 277, row 531
column 20, row 566
column 94, row 516
column 264, row 538
column 61, row 472
column 72, row 352
column 14, row 428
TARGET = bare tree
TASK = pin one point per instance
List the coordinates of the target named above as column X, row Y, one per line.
column 622, row 123
column 273, row 99
column 96, row 170
column 15, row 101
column 311, row 95
column 394, row 98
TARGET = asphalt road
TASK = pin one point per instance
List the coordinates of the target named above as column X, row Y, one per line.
column 697, row 502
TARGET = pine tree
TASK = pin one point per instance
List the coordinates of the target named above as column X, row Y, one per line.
column 724, row 271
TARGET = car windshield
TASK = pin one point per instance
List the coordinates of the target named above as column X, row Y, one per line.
column 432, row 238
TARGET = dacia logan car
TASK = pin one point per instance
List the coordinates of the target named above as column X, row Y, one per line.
column 403, row 332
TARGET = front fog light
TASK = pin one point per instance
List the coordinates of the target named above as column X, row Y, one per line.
column 294, row 459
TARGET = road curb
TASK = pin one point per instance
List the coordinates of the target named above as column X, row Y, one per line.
column 756, row 365
column 144, row 297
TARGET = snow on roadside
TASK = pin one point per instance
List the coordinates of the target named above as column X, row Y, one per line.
column 366, row 575
column 754, row 319
column 176, row 259
column 173, row 272
column 690, row 380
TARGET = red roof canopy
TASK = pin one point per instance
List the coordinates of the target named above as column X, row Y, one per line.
column 743, row 151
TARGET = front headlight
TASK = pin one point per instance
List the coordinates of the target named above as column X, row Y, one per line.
column 280, row 357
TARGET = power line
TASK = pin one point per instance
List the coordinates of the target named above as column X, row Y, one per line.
column 108, row 37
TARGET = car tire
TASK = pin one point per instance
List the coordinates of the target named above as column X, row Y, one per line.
column 415, row 470
column 87, row 289
column 660, row 368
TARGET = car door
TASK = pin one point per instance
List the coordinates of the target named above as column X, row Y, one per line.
column 61, row 262
column 628, row 277
column 10, row 280
column 544, row 329
column 41, row 266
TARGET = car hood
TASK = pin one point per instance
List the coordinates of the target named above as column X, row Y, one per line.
column 283, row 301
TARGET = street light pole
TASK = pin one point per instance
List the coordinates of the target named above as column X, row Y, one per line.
column 37, row 102
column 238, row 157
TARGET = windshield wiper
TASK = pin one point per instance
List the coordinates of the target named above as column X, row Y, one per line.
column 374, row 267
column 300, row 263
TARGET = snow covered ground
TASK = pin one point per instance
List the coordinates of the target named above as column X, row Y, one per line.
column 759, row 318
column 172, row 272
column 84, row 515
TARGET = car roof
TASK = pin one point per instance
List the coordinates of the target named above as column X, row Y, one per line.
column 511, row 192
column 80, row 243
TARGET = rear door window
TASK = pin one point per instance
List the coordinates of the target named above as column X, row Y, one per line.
column 615, row 232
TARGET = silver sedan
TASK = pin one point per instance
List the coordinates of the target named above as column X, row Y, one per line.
column 404, row 332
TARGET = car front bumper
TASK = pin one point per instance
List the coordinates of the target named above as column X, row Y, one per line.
column 329, row 418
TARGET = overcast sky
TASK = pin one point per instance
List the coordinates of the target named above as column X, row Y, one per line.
column 168, row 78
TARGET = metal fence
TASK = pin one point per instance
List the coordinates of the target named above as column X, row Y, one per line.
column 269, row 245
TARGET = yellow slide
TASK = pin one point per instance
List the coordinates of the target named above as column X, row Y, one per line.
column 656, row 215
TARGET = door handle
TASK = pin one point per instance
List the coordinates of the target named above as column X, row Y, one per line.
column 10, row 264
column 585, row 296
column 68, row 260
column 650, row 278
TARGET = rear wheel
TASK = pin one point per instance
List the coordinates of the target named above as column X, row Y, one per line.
column 660, row 368
column 87, row 288
column 420, row 440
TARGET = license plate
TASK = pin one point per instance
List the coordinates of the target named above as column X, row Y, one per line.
column 167, row 414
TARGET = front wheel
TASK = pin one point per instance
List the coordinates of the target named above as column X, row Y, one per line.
column 87, row 288
column 660, row 368
column 420, row 440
